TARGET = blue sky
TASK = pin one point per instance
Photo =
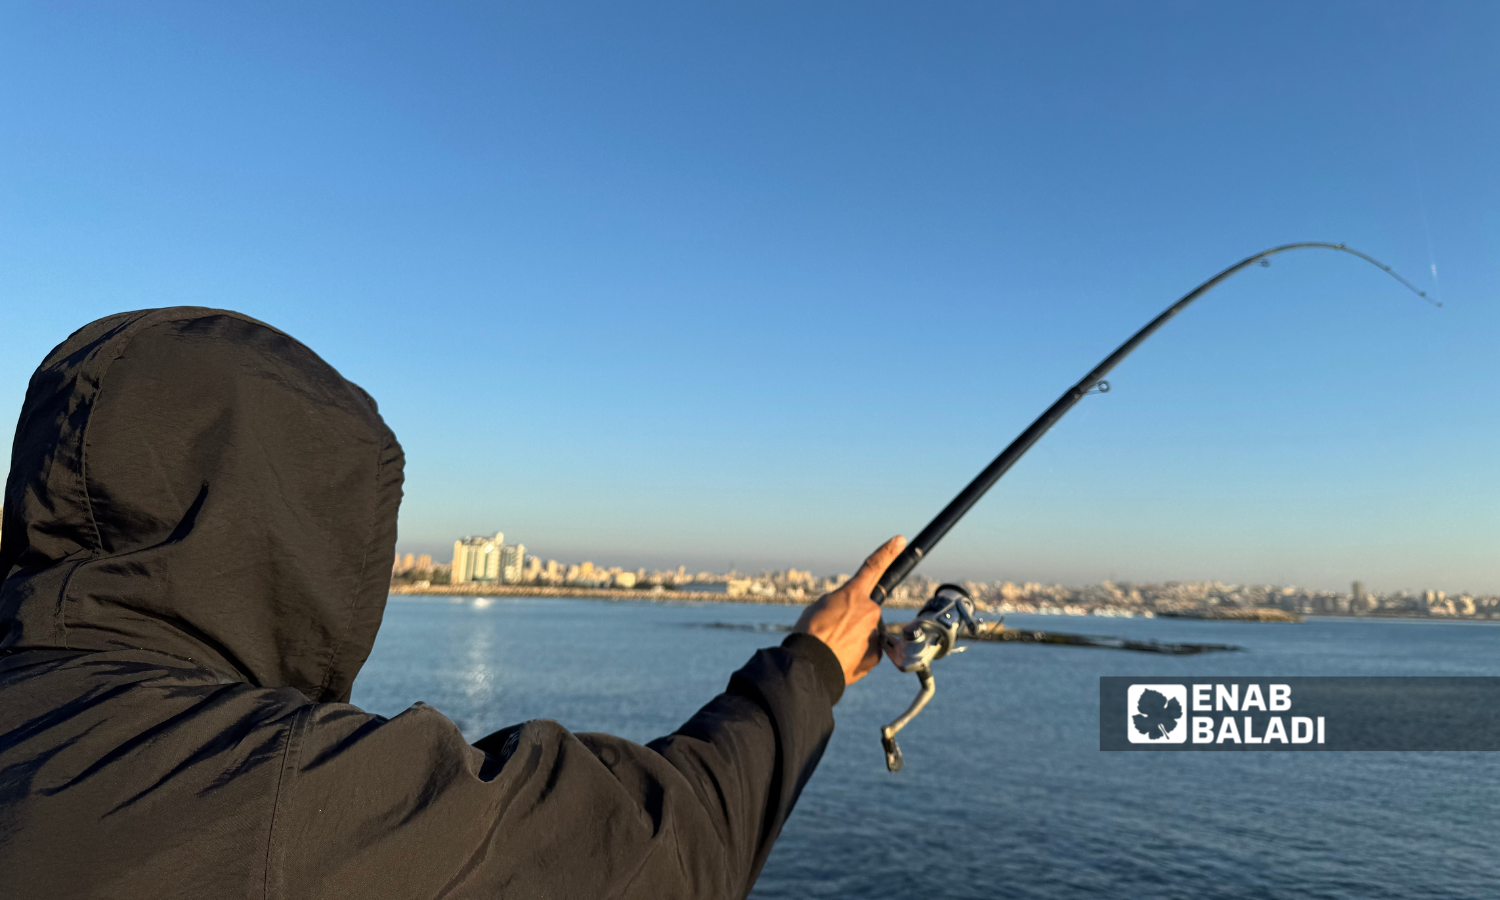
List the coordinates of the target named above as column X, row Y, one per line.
column 766, row 283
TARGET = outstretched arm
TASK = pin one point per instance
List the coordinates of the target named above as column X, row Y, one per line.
column 404, row 807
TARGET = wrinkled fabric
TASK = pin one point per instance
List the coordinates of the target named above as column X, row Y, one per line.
column 198, row 524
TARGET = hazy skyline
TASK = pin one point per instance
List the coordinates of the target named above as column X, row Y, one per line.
column 766, row 284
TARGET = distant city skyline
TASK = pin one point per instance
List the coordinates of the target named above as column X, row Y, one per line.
column 521, row 565
column 768, row 283
column 485, row 564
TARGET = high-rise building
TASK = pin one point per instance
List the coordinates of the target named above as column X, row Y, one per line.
column 488, row 558
column 512, row 563
column 424, row 562
column 477, row 558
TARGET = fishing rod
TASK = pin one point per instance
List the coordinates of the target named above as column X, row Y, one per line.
column 950, row 612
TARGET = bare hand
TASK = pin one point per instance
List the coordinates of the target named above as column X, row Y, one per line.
column 847, row 620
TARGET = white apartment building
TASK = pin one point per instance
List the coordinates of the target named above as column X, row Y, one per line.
column 488, row 558
column 512, row 563
column 477, row 558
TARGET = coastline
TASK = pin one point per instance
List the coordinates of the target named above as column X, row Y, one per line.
column 578, row 593
column 662, row 595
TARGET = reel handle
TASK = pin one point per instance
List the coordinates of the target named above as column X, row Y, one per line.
column 893, row 759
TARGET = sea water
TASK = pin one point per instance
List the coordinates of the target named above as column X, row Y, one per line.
column 1005, row 792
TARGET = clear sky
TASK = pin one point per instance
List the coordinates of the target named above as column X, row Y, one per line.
column 765, row 283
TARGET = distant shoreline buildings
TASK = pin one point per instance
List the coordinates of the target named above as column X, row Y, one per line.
column 488, row 560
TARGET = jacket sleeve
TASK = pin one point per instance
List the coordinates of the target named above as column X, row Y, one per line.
column 370, row 807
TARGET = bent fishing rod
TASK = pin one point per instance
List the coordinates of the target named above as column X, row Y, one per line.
column 950, row 612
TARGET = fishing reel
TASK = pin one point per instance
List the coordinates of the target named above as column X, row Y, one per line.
column 924, row 640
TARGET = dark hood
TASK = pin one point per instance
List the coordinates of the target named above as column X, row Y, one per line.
column 194, row 482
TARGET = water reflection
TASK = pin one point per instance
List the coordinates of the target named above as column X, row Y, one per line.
column 479, row 672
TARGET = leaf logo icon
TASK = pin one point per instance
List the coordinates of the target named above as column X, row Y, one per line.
column 1156, row 715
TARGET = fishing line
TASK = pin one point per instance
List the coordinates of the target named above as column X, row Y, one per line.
column 1426, row 225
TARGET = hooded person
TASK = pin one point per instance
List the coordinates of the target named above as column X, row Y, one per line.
column 198, row 526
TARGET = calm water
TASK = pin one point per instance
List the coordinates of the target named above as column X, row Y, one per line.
column 1005, row 793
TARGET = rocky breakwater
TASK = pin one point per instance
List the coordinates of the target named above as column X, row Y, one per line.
column 1234, row 614
column 997, row 632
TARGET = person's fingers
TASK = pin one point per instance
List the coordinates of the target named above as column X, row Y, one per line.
column 875, row 566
